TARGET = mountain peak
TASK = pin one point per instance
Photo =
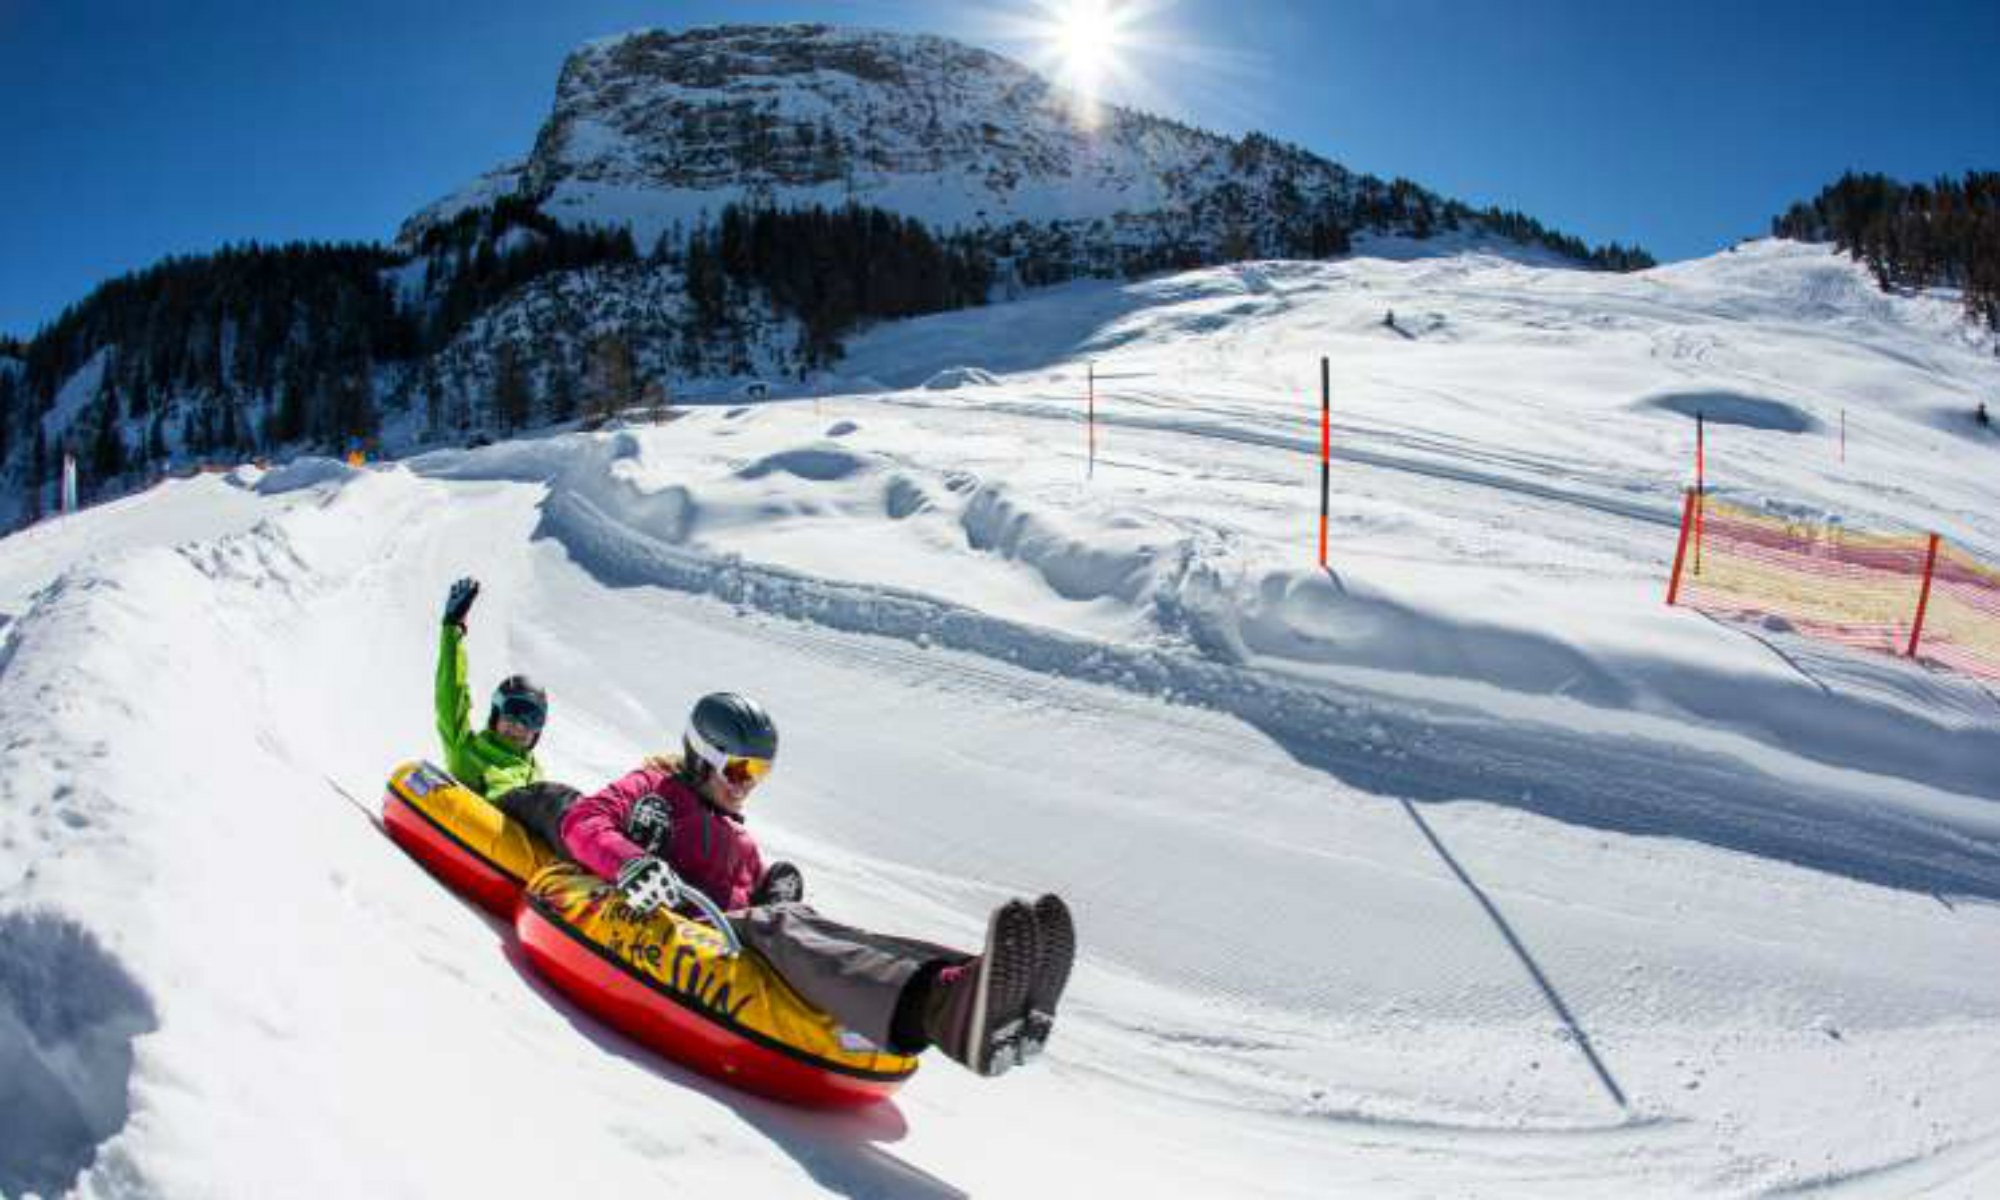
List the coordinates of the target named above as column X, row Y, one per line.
column 653, row 130
column 652, row 127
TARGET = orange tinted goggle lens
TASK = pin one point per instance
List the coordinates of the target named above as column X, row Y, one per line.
column 741, row 771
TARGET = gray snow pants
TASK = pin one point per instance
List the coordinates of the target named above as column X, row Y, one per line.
column 540, row 807
column 854, row 976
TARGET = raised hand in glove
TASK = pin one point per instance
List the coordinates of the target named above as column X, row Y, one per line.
column 782, row 884
column 648, row 885
column 458, row 605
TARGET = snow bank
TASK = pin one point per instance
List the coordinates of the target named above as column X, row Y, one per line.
column 302, row 473
column 68, row 1013
column 816, row 464
column 957, row 377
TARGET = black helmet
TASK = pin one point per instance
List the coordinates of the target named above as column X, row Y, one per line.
column 724, row 727
column 521, row 699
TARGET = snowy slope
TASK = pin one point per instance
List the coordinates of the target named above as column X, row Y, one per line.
column 1467, row 870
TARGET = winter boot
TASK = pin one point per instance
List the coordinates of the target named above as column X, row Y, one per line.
column 975, row 1011
column 782, row 884
column 1056, row 933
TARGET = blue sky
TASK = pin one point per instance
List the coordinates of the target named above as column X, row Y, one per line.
column 134, row 129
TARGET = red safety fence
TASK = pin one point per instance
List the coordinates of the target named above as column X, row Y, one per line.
column 1910, row 594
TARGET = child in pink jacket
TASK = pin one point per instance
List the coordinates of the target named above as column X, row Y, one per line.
column 678, row 824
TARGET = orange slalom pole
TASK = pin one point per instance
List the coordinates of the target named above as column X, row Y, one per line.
column 1924, row 596
column 1325, row 450
column 1680, row 554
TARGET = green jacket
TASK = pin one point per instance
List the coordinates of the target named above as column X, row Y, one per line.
column 480, row 761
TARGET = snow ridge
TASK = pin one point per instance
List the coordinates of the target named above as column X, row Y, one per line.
column 1547, row 758
column 68, row 1013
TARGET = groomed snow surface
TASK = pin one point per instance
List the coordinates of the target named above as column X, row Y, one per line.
column 1465, row 869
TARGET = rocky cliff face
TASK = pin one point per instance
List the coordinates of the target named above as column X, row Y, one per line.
column 654, row 128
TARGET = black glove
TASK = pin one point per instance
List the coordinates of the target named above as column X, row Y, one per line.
column 458, row 605
column 782, row 884
column 648, row 885
column 649, row 825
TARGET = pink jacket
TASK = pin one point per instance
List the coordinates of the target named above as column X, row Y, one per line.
column 706, row 847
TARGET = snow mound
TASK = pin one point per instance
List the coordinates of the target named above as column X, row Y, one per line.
column 1735, row 408
column 903, row 497
column 818, row 464
column 957, row 377
column 68, row 1014
column 304, row 473
column 1076, row 565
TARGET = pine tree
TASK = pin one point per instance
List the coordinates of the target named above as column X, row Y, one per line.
column 561, row 387
column 512, row 397
column 7, row 402
column 707, row 287
column 107, row 448
column 613, row 377
column 354, row 415
column 287, row 421
column 38, row 467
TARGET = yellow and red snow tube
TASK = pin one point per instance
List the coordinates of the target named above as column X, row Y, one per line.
column 477, row 850
column 669, row 981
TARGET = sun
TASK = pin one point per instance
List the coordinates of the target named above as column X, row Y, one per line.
column 1085, row 35
column 1085, row 38
column 1102, row 53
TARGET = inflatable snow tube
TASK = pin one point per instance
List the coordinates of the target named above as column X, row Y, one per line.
column 477, row 850
column 671, row 983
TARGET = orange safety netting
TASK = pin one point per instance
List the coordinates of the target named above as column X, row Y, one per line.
column 1844, row 585
column 1962, row 625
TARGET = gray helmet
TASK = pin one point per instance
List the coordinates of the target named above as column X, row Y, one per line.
column 726, row 726
column 520, row 699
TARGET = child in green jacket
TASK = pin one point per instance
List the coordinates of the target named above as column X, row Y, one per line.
column 501, row 757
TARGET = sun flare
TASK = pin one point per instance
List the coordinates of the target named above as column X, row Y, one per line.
column 1084, row 36
column 1104, row 53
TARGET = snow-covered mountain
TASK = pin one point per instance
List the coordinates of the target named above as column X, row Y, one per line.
column 1467, row 868
column 655, row 129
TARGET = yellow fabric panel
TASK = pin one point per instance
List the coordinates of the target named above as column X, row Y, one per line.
column 473, row 820
column 1832, row 581
column 687, row 958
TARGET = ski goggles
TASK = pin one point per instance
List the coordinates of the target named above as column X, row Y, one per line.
column 740, row 770
column 526, row 711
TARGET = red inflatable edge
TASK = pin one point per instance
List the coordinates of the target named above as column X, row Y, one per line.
column 458, row 865
column 693, row 1037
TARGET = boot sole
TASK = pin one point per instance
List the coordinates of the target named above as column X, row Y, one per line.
column 1006, row 971
column 1056, row 931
